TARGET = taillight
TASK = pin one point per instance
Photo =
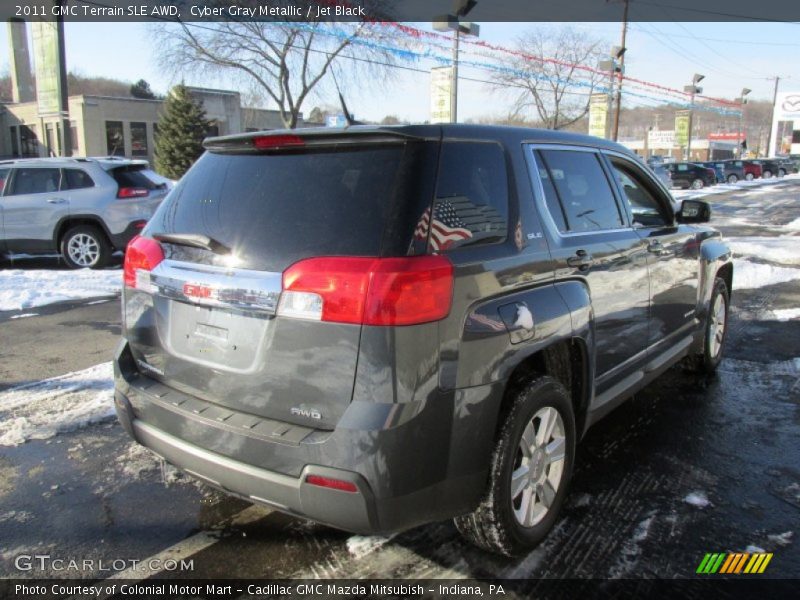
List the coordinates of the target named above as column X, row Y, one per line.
column 271, row 142
column 370, row 291
column 141, row 256
column 334, row 484
column 132, row 192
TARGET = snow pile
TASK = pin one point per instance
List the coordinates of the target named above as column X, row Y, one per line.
column 698, row 499
column 747, row 274
column 45, row 408
column 753, row 549
column 24, row 315
column 782, row 250
column 28, row 288
column 359, row 546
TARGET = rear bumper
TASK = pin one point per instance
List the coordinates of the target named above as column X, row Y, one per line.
column 407, row 469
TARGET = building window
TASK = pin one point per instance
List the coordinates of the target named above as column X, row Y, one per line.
column 115, row 138
column 14, row 141
column 29, row 143
column 139, row 139
column 213, row 129
column 796, row 136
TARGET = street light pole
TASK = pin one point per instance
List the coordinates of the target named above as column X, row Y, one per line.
column 451, row 22
column 742, row 102
column 454, row 84
column 692, row 89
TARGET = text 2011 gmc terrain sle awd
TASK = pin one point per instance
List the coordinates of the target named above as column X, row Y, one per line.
column 376, row 328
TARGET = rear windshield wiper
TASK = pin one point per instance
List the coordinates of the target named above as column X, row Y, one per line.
column 195, row 240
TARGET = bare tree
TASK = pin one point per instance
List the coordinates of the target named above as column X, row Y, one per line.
column 549, row 74
column 283, row 61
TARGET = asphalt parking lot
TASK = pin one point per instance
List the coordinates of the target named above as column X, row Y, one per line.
column 691, row 465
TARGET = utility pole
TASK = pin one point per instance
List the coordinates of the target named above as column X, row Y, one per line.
column 774, row 102
column 621, row 58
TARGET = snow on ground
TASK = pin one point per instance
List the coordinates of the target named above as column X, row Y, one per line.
column 742, row 186
column 749, row 275
column 359, row 546
column 782, row 250
column 785, row 314
column 20, row 289
column 698, row 499
column 41, row 409
column 793, row 226
column 782, row 539
column 24, row 315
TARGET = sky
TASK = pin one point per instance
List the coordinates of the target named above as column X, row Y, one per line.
column 730, row 55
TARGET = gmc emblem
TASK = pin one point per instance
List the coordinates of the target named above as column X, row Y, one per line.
column 196, row 291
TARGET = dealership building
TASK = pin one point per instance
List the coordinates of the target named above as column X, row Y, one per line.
column 786, row 124
column 111, row 126
column 34, row 123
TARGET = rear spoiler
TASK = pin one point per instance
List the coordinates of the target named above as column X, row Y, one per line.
column 299, row 139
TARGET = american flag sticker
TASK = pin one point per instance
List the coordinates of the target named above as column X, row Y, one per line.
column 446, row 229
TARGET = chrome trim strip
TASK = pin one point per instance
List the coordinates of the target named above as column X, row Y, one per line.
column 222, row 287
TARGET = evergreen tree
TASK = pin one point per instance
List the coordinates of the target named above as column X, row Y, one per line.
column 141, row 89
column 181, row 130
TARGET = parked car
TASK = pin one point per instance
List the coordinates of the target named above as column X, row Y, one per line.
column 787, row 166
column 736, row 170
column 662, row 173
column 719, row 169
column 82, row 208
column 423, row 329
column 769, row 167
column 691, row 175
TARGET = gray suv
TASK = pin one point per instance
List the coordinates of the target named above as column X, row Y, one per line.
column 377, row 328
column 82, row 208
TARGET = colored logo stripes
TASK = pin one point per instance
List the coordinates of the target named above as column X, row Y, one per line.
column 734, row 563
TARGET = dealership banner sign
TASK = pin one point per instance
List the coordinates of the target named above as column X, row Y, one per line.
column 682, row 128
column 47, row 60
column 598, row 115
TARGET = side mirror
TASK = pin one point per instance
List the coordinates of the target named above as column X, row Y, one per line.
column 694, row 211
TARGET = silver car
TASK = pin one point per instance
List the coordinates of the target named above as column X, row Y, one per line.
column 82, row 208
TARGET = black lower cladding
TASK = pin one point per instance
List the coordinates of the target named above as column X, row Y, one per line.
column 412, row 463
column 120, row 240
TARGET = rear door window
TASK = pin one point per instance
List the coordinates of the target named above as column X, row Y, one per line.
column 76, row 179
column 35, row 181
column 581, row 190
column 275, row 209
column 471, row 204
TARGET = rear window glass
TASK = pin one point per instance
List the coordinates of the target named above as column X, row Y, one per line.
column 75, row 179
column 471, row 205
column 275, row 209
column 133, row 176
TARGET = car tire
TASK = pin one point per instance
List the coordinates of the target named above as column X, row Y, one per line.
column 85, row 247
column 781, row 172
column 767, row 174
column 506, row 522
column 697, row 184
column 732, row 179
column 749, row 176
column 715, row 331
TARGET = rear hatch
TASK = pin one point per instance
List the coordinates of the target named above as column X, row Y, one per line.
column 205, row 321
column 137, row 181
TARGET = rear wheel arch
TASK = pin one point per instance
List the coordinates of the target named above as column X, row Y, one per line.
column 725, row 272
column 567, row 361
column 71, row 221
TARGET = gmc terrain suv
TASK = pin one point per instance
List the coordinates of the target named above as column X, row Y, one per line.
column 83, row 208
column 377, row 328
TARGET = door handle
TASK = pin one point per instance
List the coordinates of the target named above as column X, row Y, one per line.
column 582, row 260
column 56, row 201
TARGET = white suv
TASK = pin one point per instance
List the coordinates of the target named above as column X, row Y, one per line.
column 83, row 208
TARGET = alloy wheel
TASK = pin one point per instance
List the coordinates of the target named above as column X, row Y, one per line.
column 83, row 250
column 716, row 333
column 538, row 466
